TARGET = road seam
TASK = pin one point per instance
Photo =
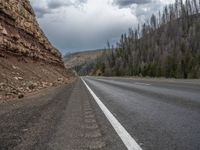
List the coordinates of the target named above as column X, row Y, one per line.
column 128, row 141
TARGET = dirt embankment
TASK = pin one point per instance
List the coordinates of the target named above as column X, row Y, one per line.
column 20, row 76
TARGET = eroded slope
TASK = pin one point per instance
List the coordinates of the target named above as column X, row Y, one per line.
column 28, row 61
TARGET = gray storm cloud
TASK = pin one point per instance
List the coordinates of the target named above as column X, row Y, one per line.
column 58, row 4
column 40, row 12
column 74, row 25
column 125, row 3
column 53, row 4
column 43, row 7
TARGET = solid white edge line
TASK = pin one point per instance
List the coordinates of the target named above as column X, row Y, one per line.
column 128, row 141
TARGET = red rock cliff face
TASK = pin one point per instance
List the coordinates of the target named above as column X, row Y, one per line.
column 20, row 33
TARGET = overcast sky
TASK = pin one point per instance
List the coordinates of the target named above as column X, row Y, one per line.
column 75, row 25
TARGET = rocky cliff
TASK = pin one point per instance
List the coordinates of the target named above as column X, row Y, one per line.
column 20, row 33
column 27, row 58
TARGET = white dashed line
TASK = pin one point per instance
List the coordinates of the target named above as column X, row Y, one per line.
column 129, row 142
column 139, row 83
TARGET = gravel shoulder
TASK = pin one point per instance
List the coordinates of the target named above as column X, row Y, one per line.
column 62, row 118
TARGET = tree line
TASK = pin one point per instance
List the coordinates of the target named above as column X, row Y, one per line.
column 167, row 45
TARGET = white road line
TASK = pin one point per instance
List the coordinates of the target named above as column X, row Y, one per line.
column 140, row 83
column 129, row 142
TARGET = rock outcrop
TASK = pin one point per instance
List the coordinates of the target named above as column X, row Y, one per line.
column 20, row 33
column 28, row 61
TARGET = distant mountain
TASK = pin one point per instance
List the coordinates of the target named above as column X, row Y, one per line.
column 79, row 59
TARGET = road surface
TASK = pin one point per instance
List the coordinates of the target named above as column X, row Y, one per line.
column 158, row 114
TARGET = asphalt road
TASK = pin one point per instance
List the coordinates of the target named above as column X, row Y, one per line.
column 159, row 115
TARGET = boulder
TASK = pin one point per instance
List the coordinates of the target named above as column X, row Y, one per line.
column 32, row 85
column 20, row 95
column 4, row 31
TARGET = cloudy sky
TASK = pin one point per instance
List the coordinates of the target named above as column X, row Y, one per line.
column 75, row 25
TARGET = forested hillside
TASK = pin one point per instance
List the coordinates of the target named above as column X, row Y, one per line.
column 168, row 45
